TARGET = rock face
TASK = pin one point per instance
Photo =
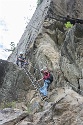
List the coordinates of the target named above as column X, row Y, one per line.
column 13, row 82
column 31, row 31
column 46, row 42
column 10, row 116
column 46, row 10
column 66, row 109
column 72, row 55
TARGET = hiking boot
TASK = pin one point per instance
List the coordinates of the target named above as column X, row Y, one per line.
column 44, row 97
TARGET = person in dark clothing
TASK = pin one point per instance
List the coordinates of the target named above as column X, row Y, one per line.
column 21, row 60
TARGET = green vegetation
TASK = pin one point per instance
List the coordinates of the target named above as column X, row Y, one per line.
column 28, row 108
column 68, row 25
column 7, row 105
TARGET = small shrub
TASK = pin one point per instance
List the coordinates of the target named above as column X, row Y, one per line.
column 68, row 25
column 28, row 108
column 7, row 105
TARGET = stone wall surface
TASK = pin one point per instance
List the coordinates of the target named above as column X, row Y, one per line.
column 46, row 42
column 14, row 83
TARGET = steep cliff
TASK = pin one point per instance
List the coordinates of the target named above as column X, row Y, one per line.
column 46, row 10
column 46, row 42
column 14, row 83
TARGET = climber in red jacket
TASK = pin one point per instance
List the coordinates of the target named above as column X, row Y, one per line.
column 48, row 78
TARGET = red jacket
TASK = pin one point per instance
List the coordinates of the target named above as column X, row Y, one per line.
column 46, row 75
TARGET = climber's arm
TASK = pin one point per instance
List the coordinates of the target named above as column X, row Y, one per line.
column 40, row 80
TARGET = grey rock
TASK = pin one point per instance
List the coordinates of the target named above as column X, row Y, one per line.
column 81, row 85
column 82, row 73
column 10, row 116
column 13, row 82
column 46, row 42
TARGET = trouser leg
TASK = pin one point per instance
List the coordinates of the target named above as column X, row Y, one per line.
column 48, row 84
column 17, row 62
column 22, row 63
column 43, row 89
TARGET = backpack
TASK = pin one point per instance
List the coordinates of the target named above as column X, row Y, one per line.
column 50, row 78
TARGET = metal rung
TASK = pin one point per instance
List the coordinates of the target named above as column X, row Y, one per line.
column 35, row 86
column 32, row 79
